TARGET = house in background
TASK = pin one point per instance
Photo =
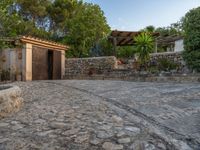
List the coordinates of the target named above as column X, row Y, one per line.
column 33, row 59
column 179, row 45
column 170, row 43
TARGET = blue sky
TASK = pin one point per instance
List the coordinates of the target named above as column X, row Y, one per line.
column 133, row 15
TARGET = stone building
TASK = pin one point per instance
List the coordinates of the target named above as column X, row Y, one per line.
column 33, row 59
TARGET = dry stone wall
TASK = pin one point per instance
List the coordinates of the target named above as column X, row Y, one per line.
column 172, row 56
column 175, row 57
column 89, row 66
column 106, row 68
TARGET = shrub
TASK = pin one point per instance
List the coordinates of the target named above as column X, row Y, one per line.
column 144, row 46
column 191, row 27
column 166, row 65
column 126, row 52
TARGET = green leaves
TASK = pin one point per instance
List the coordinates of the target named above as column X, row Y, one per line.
column 86, row 27
column 191, row 26
column 144, row 46
column 71, row 22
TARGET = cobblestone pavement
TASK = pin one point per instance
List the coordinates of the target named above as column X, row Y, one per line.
column 110, row 115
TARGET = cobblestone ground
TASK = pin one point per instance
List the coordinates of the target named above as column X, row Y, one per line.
column 110, row 115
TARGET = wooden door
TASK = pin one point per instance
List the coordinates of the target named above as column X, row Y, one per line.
column 56, row 65
column 39, row 64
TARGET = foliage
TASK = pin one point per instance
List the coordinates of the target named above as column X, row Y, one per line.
column 165, row 64
column 86, row 27
column 192, row 39
column 102, row 48
column 126, row 52
column 173, row 29
column 144, row 46
column 71, row 22
column 153, row 69
column 149, row 28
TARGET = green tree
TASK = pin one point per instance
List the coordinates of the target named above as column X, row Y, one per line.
column 72, row 22
column 149, row 28
column 14, row 23
column 87, row 26
column 192, row 39
column 144, row 45
column 34, row 11
column 102, row 48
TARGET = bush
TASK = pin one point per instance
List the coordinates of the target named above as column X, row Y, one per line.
column 126, row 52
column 144, row 46
column 191, row 27
column 166, row 65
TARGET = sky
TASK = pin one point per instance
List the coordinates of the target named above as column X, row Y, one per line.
column 133, row 15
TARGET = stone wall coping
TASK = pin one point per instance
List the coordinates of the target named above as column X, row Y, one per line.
column 105, row 57
column 165, row 53
column 8, row 88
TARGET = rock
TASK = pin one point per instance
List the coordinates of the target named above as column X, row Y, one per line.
column 132, row 130
column 14, row 122
column 17, row 127
column 81, row 139
column 117, row 119
column 95, row 141
column 70, row 132
column 4, row 125
column 59, row 125
column 105, row 127
column 181, row 145
column 10, row 100
column 124, row 140
column 121, row 133
column 44, row 133
column 149, row 146
column 39, row 121
column 4, row 140
column 161, row 146
column 142, row 145
column 104, row 135
column 111, row 146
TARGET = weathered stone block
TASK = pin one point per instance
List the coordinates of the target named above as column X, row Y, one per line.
column 10, row 100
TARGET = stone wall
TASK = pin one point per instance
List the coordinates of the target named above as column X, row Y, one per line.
column 175, row 57
column 106, row 68
column 10, row 100
column 89, row 66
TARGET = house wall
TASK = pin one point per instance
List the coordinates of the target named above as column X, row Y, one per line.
column 11, row 59
column 19, row 62
column 179, row 46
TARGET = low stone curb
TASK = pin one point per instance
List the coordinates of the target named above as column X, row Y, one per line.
column 10, row 100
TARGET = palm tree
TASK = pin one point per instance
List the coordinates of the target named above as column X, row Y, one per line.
column 144, row 45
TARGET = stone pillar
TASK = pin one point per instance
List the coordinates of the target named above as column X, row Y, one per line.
column 62, row 64
column 27, row 62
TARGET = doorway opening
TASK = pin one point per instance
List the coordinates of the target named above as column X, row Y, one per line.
column 50, row 64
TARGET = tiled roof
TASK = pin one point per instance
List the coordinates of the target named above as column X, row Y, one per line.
column 43, row 43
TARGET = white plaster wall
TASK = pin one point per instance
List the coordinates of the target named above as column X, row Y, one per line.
column 179, row 45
